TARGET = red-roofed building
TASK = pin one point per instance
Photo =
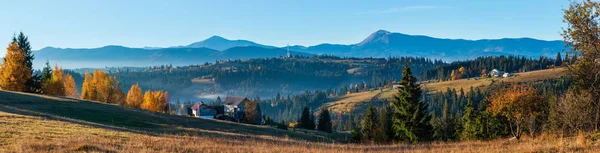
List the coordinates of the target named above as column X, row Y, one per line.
column 203, row 111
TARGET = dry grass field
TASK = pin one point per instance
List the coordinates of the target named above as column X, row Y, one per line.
column 466, row 84
column 33, row 123
column 353, row 101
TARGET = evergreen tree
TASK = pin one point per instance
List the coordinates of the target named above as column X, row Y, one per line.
column 469, row 123
column 305, row 119
column 385, row 119
column 410, row 119
column 47, row 72
column 558, row 61
column 34, row 83
column 370, row 124
column 218, row 101
column 324, row 121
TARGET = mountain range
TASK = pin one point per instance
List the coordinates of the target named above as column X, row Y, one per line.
column 379, row 44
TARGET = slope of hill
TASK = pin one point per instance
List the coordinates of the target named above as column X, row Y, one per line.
column 358, row 101
column 33, row 123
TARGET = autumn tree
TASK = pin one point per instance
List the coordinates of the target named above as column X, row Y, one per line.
column 88, row 90
column 34, row 83
column 574, row 111
column 70, row 86
column 55, row 85
column 155, row 101
column 582, row 36
column 521, row 104
column 134, row 97
column 410, row 117
column 101, row 87
column 15, row 72
column 252, row 112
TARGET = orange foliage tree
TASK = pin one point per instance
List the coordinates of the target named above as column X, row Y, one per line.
column 70, row 86
column 88, row 91
column 155, row 101
column 520, row 104
column 55, row 86
column 101, row 87
column 13, row 72
column 134, row 97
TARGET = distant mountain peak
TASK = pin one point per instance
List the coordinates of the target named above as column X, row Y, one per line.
column 377, row 36
column 219, row 43
column 216, row 38
column 381, row 32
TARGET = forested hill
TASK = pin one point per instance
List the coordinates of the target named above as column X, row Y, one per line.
column 266, row 77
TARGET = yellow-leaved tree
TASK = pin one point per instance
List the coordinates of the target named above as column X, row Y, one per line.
column 55, row 85
column 134, row 97
column 155, row 101
column 70, row 86
column 88, row 91
column 520, row 104
column 101, row 87
column 13, row 72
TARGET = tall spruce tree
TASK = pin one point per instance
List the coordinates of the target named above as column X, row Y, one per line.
column 558, row 61
column 324, row 121
column 469, row 123
column 410, row 118
column 305, row 119
column 370, row 123
column 33, row 83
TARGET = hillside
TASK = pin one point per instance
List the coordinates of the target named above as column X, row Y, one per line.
column 357, row 101
column 114, row 117
column 33, row 123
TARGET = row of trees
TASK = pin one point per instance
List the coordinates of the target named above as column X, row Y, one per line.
column 307, row 120
column 18, row 74
column 157, row 101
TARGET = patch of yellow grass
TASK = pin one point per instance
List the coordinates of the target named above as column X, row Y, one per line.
column 349, row 102
column 466, row 84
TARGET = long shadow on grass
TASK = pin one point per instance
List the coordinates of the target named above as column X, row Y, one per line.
column 113, row 117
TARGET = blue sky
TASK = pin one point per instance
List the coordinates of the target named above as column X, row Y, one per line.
column 162, row 23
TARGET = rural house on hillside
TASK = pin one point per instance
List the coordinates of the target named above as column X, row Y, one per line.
column 234, row 107
column 497, row 73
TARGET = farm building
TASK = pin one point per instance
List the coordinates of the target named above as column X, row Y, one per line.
column 495, row 73
column 234, row 106
column 203, row 111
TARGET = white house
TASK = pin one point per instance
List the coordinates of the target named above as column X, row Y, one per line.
column 234, row 106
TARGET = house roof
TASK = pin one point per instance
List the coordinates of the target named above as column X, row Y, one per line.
column 197, row 106
column 234, row 100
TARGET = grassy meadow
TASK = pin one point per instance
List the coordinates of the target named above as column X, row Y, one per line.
column 35, row 123
column 357, row 101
